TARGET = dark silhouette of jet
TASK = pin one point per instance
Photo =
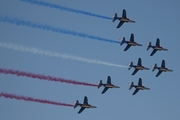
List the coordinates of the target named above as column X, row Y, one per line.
column 161, row 69
column 137, row 67
column 122, row 19
column 156, row 47
column 84, row 105
column 129, row 43
column 138, row 87
column 107, row 85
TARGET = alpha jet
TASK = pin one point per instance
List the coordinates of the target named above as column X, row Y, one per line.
column 107, row 85
column 137, row 67
column 129, row 43
column 156, row 47
column 121, row 19
column 84, row 105
column 138, row 87
column 161, row 69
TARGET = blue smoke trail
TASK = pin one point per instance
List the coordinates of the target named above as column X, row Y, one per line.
column 17, row 21
column 46, row 4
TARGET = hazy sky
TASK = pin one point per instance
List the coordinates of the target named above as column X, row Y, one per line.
column 49, row 40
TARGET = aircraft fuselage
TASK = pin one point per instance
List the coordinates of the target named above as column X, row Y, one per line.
column 141, row 68
column 124, row 19
column 111, row 86
column 87, row 106
column 132, row 43
column 159, row 48
column 165, row 69
column 127, row 20
column 141, row 88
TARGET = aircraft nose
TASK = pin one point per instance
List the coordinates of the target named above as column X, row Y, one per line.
column 93, row 107
column 116, row 87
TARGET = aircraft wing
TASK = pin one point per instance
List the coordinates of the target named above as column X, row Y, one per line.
column 153, row 52
column 158, row 73
column 120, row 24
column 135, row 71
column 163, row 64
column 140, row 82
column 109, row 80
column 105, row 89
column 132, row 37
column 82, row 108
column 157, row 42
column 135, row 91
column 124, row 13
column 85, row 100
column 127, row 47
column 139, row 62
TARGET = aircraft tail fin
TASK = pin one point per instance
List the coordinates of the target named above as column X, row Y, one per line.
column 122, row 41
column 130, row 65
column 76, row 103
column 100, row 84
column 154, row 67
column 131, row 85
column 149, row 45
column 115, row 17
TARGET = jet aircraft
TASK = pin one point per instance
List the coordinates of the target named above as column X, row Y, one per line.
column 130, row 42
column 84, row 105
column 156, row 47
column 161, row 69
column 121, row 19
column 137, row 67
column 107, row 85
column 138, row 87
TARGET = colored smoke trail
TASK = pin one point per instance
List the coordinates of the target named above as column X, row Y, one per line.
column 55, row 54
column 46, row 4
column 18, row 97
column 17, row 21
column 43, row 77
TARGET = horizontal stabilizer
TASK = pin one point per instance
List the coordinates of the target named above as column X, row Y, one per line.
column 131, row 85
column 149, row 45
column 154, row 67
column 100, row 84
column 130, row 65
column 115, row 17
column 122, row 41
column 76, row 103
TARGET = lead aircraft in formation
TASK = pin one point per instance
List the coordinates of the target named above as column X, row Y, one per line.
column 138, row 87
column 122, row 19
column 84, row 105
column 107, row 85
column 156, row 47
column 130, row 42
column 161, row 69
column 137, row 67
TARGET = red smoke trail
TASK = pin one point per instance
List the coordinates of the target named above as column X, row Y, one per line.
column 43, row 77
column 17, row 97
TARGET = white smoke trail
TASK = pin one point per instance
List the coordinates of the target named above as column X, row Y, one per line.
column 55, row 54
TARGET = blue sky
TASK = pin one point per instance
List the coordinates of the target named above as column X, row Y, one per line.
column 154, row 19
